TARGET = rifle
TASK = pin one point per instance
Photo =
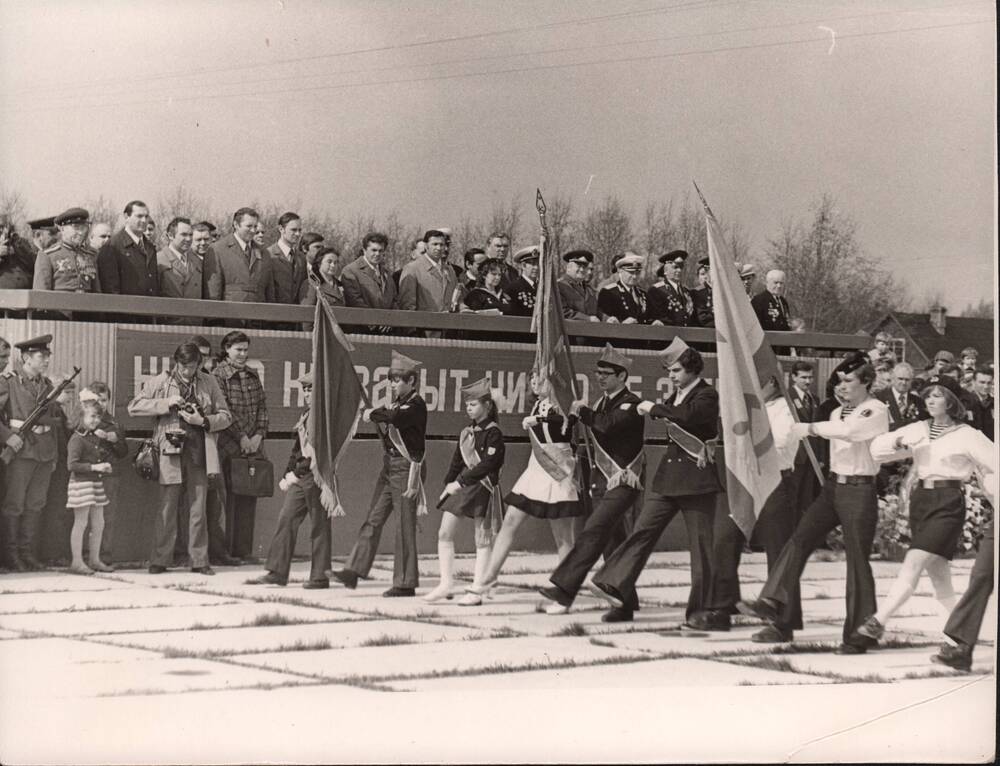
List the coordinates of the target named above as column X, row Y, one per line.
column 36, row 414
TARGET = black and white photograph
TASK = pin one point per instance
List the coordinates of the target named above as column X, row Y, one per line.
column 498, row 381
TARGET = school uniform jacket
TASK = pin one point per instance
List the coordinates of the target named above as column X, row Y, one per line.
column 617, row 425
column 409, row 416
column 490, row 448
column 678, row 473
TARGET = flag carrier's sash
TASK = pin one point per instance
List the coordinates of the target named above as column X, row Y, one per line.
column 556, row 459
column 703, row 452
column 494, row 513
column 614, row 474
column 414, row 481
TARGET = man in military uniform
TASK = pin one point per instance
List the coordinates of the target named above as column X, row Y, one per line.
column 623, row 300
column 618, row 430
column 44, row 233
column 68, row 265
column 669, row 301
column 28, row 473
column 523, row 289
column 704, row 310
column 17, row 259
column 770, row 305
column 579, row 300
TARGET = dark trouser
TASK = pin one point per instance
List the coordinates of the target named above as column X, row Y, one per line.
column 27, row 486
column 54, row 521
column 194, row 486
column 773, row 529
column 805, row 487
column 623, row 567
column 240, row 513
column 604, row 523
column 215, row 501
column 112, row 488
column 855, row 510
column 302, row 499
column 967, row 617
column 388, row 495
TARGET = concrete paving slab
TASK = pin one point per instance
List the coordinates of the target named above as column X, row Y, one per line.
column 426, row 659
column 313, row 636
column 5, row 634
column 886, row 664
column 734, row 642
column 129, row 677
column 636, row 675
column 121, row 598
column 26, row 654
column 371, row 602
column 163, row 618
column 586, row 614
column 934, row 625
column 47, row 582
column 836, row 608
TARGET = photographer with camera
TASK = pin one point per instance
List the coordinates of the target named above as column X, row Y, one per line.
column 190, row 409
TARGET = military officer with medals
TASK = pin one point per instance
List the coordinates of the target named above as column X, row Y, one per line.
column 69, row 265
column 400, row 485
column 770, row 305
column 669, row 301
column 618, row 431
column 579, row 300
column 704, row 311
column 28, row 473
column 623, row 300
column 523, row 289
column 685, row 482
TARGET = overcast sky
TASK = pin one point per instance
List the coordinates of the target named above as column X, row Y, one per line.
column 767, row 103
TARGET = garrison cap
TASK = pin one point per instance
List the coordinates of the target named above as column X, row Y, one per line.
column 614, row 359
column 529, row 253
column 402, row 363
column 629, row 261
column 480, row 389
column 73, row 215
column 42, row 223
column 703, row 261
column 41, row 343
column 673, row 256
column 582, row 257
column 673, row 352
column 306, row 380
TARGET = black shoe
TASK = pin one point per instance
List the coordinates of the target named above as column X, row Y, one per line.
column 557, row 594
column 762, row 608
column 345, row 577
column 697, row 621
column 712, row 620
column 156, row 569
column 772, row 634
column 617, row 614
column 871, row 628
column 14, row 563
column 395, row 592
column 225, row 560
column 269, row 579
column 31, row 563
column 956, row 657
column 316, row 584
column 203, row 570
column 848, row 648
column 608, row 594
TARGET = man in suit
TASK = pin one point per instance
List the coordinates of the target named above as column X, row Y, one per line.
column 180, row 269
column 905, row 407
column 770, row 306
column 623, row 300
column 691, row 413
column 126, row 265
column 804, row 483
column 669, row 301
column 704, row 309
column 428, row 282
column 288, row 265
column 982, row 388
column 242, row 270
column 525, row 287
column 579, row 301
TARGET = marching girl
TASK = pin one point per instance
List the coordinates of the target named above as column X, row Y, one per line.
column 546, row 490
column 87, row 462
column 946, row 451
column 472, row 486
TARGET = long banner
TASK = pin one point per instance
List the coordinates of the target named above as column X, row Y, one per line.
column 447, row 366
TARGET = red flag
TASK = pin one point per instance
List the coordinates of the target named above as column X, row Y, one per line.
column 744, row 358
column 333, row 416
column 551, row 345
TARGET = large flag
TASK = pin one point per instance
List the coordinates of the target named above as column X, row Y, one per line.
column 744, row 358
column 333, row 416
column 551, row 345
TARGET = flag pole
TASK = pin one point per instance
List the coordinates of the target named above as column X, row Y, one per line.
column 781, row 383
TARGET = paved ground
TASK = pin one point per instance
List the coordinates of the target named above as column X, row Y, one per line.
column 131, row 667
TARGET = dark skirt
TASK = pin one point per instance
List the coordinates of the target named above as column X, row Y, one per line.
column 472, row 502
column 540, row 510
column 936, row 520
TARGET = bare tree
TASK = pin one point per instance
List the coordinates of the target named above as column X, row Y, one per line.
column 505, row 218
column 104, row 210
column 607, row 231
column 12, row 205
column 985, row 309
column 830, row 282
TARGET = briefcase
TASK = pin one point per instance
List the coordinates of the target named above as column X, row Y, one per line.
column 252, row 476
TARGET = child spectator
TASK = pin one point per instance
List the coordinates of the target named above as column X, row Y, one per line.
column 85, row 493
column 112, row 441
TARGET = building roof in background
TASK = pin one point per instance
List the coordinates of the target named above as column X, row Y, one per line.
column 959, row 333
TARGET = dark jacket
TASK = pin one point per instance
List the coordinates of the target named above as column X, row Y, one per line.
column 481, row 299
column 772, row 311
column 298, row 464
column 361, row 286
column 491, row 451
column 704, row 308
column 672, row 306
column 84, row 451
column 18, row 266
column 579, row 301
column 288, row 275
column 127, row 268
column 522, row 297
column 618, row 301
column 617, row 426
column 678, row 473
column 409, row 416
column 915, row 408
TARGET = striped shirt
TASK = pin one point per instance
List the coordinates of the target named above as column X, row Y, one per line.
column 937, row 430
column 845, row 411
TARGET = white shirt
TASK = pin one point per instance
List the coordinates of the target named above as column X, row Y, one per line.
column 285, row 249
column 685, row 391
column 786, row 442
column 137, row 238
column 850, row 438
column 240, row 242
column 955, row 455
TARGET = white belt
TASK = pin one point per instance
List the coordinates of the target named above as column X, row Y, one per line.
column 36, row 430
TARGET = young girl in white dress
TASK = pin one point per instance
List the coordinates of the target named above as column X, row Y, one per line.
column 546, row 490
column 946, row 452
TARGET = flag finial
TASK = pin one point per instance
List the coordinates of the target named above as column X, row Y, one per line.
column 702, row 197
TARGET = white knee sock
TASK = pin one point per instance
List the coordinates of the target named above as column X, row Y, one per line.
column 446, row 561
column 482, row 564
